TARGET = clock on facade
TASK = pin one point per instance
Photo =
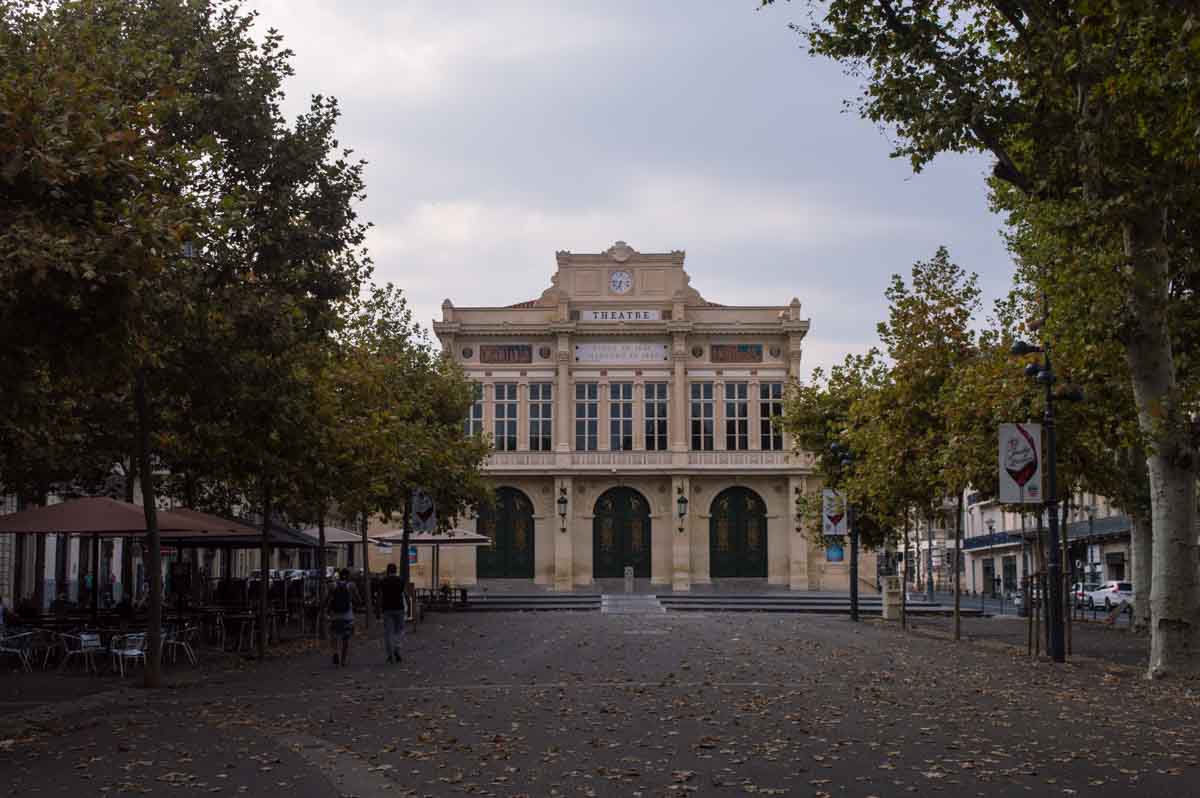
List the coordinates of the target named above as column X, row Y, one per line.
column 620, row 282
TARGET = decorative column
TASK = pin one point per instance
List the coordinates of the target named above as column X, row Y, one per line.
column 677, row 421
column 563, row 551
column 562, row 389
column 719, row 415
column 602, row 413
column 753, row 416
column 523, row 415
column 681, row 548
column 489, row 408
column 639, row 414
column 798, row 533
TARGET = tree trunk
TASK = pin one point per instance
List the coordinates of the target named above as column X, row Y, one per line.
column 321, row 569
column 904, row 584
column 264, row 573
column 1141, row 547
column 366, row 572
column 153, row 669
column 39, row 572
column 929, row 560
column 1171, row 460
column 1067, row 572
column 405, row 569
column 957, row 554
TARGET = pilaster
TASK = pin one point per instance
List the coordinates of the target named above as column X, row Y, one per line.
column 563, row 398
column 677, row 419
column 564, row 554
column 681, row 536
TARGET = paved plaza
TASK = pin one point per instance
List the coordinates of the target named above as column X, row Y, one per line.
column 585, row 704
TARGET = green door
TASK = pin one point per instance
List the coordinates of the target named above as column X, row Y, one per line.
column 509, row 524
column 738, row 535
column 621, row 535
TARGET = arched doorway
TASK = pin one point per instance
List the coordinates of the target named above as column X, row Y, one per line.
column 737, row 532
column 509, row 524
column 621, row 534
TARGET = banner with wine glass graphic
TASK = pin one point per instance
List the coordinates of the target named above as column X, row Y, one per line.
column 833, row 523
column 1020, row 463
column 833, row 513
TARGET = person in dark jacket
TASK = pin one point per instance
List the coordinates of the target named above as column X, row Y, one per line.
column 391, row 607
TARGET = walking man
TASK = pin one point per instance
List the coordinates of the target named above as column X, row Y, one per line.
column 340, row 606
column 391, row 606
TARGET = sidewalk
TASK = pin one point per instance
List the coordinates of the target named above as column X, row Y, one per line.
column 1108, row 644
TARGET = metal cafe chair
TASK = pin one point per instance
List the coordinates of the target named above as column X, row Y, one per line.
column 83, row 646
column 180, row 638
column 18, row 646
column 128, row 647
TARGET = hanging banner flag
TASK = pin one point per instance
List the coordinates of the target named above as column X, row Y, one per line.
column 833, row 513
column 1020, row 463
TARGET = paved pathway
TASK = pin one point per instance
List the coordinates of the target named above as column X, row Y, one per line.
column 586, row 704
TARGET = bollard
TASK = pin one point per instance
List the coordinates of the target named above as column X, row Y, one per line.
column 628, row 578
column 891, row 598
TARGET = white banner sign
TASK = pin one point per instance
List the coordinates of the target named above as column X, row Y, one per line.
column 833, row 513
column 1020, row 463
column 620, row 315
column 621, row 352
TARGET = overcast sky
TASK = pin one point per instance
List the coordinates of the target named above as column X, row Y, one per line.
column 500, row 132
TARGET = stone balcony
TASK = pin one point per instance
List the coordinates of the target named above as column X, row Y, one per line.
column 643, row 461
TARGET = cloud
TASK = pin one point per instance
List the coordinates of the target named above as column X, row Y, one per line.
column 498, row 133
column 655, row 214
column 403, row 53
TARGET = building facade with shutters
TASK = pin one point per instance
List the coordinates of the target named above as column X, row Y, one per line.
column 632, row 426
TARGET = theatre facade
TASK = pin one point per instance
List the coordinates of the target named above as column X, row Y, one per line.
column 632, row 426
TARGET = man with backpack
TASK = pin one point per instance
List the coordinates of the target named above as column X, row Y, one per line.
column 391, row 607
column 340, row 606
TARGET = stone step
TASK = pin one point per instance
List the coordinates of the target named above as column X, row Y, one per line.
column 630, row 604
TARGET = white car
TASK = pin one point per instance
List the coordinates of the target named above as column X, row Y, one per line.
column 1110, row 594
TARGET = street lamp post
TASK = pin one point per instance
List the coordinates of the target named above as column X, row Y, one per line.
column 1044, row 376
column 681, row 505
column 991, row 525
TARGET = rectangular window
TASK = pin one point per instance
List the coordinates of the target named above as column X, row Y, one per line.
column 506, row 417
column 770, row 406
column 474, row 423
column 541, row 416
column 587, row 416
column 702, row 416
column 656, row 416
column 620, row 416
column 737, row 416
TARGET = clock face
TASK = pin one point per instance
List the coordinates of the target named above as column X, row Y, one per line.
column 620, row 282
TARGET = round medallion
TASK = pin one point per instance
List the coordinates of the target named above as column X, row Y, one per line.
column 697, row 351
column 774, row 351
column 544, row 352
column 468, row 353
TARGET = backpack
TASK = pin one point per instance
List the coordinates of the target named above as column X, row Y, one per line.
column 341, row 598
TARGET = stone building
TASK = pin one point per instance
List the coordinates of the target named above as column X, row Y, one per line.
column 631, row 421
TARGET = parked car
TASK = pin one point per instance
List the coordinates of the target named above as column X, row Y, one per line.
column 1035, row 597
column 1080, row 590
column 1109, row 594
